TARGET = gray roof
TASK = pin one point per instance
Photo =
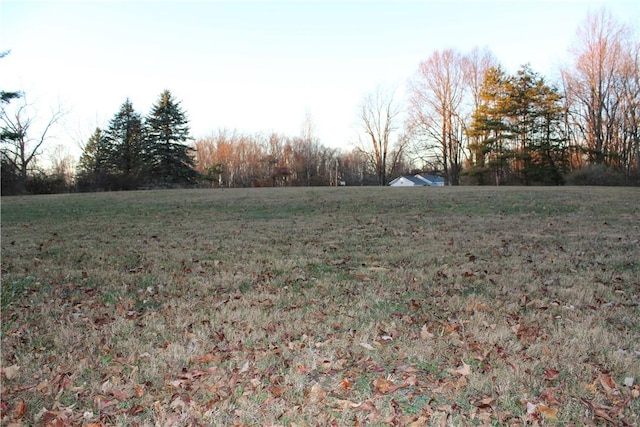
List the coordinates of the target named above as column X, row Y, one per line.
column 432, row 178
column 413, row 179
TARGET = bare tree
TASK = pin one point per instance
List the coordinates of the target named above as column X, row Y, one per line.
column 436, row 95
column 21, row 142
column 593, row 84
column 62, row 164
column 378, row 114
column 630, row 152
column 309, row 148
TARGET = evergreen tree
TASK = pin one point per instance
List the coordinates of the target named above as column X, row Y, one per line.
column 93, row 170
column 534, row 113
column 518, row 126
column 489, row 128
column 167, row 130
column 125, row 148
column 7, row 96
column 549, row 146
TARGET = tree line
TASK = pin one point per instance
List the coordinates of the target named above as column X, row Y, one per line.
column 464, row 118
column 469, row 119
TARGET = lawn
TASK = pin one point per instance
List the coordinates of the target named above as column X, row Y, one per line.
column 322, row 306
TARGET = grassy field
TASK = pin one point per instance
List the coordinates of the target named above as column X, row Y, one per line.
column 322, row 306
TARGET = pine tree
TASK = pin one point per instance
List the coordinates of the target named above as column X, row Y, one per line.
column 490, row 129
column 518, row 126
column 93, row 170
column 125, row 147
column 167, row 132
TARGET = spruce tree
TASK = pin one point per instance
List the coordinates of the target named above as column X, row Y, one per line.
column 125, row 149
column 93, row 169
column 167, row 133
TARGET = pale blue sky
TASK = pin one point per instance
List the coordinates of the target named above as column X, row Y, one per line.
column 261, row 66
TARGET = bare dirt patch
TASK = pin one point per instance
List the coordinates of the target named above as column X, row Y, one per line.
column 322, row 306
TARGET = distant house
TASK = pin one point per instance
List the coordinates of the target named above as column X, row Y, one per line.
column 432, row 180
column 420, row 180
column 408, row 181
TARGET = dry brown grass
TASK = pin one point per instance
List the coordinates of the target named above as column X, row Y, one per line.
column 348, row 306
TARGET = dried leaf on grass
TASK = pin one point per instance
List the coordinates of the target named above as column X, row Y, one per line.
column 547, row 412
column 425, row 334
column 10, row 372
column 383, row 385
column 463, row 370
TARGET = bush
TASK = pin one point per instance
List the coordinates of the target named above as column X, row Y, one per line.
column 46, row 184
column 595, row 175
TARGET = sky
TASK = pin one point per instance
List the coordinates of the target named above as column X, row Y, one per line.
column 261, row 66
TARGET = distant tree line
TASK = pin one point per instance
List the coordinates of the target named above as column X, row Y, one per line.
column 475, row 123
column 233, row 159
column 464, row 118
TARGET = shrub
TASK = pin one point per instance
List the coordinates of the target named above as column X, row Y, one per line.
column 595, row 175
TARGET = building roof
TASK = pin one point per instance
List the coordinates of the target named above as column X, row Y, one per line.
column 432, row 179
column 414, row 180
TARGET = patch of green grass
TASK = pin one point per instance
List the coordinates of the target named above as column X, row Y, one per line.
column 15, row 289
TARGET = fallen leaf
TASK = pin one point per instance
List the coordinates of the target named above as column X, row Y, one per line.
column 383, row 385
column 590, row 387
column 386, row 338
column 487, row 402
column 547, row 412
column 136, row 409
column 607, row 383
column 464, row 370
column 138, row 390
column 316, row 393
column 601, row 413
column 420, row 422
column 425, row 334
column 531, row 408
column 364, row 406
column 367, row 346
column 411, row 380
column 277, row 390
column 551, row 374
column 549, row 397
column 10, row 372
column 244, row 368
column 343, row 404
column 20, row 409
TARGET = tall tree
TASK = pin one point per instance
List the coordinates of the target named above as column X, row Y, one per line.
column 519, row 127
column 437, row 93
column 7, row 96
column 124, row 150
column 477, row 64
column 379, row 113
column 533, row 111
column 489, row 129
column 630, row 111
column 170, row 157
column 594, row 85
column 94, row 170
